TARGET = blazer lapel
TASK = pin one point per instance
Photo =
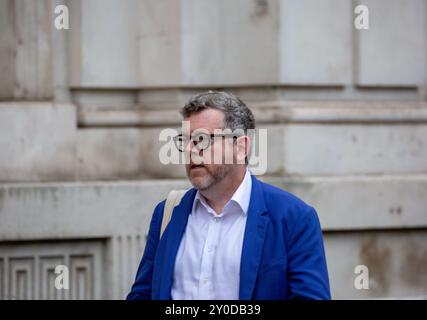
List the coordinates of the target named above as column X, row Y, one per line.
column 171, row 240
column 255, row 232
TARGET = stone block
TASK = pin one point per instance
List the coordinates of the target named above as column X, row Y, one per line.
column 37, row 141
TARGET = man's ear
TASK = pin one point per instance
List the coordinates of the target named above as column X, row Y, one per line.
column 243, row 145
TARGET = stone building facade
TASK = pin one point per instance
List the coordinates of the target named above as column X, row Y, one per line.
column 81, row 111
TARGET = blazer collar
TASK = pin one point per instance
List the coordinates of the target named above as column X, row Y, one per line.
column 253, row 241
column 170, row 243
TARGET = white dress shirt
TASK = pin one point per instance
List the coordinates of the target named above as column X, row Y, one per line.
column 207, row 266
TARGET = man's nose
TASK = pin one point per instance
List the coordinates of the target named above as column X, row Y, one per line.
column 189, row 146
column 191, row 149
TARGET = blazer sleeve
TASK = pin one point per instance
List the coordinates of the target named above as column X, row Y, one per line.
column 142, row 287
column 307, row 269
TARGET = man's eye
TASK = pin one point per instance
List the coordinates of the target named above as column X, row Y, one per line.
column 200, row 137
column 181, row 138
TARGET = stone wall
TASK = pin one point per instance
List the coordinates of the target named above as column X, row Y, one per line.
column 81, row 111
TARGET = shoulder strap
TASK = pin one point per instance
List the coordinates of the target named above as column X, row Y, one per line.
column 173, row 199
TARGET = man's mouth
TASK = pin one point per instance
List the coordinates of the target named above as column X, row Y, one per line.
column 196, row 166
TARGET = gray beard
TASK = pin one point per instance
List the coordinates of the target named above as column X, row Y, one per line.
column 212, row 178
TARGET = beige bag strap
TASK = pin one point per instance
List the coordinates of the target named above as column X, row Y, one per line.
column 173, row 199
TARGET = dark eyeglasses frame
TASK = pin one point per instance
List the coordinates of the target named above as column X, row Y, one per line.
column 198, row 144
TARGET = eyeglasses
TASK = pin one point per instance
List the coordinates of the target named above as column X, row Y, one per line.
column 201, row 140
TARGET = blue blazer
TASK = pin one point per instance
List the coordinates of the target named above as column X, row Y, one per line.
column 282, row 256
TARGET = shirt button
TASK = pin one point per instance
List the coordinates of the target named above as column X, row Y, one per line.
column 217, row 219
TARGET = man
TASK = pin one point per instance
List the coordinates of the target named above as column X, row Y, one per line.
column 232, row 236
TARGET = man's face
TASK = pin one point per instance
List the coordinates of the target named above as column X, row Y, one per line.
column 207, row 174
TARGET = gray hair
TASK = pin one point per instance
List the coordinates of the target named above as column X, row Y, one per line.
column 236, row 114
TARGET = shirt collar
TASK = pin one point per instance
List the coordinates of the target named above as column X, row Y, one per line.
column 241, row 196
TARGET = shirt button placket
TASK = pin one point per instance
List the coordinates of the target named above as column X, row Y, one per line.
column 205, row 284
